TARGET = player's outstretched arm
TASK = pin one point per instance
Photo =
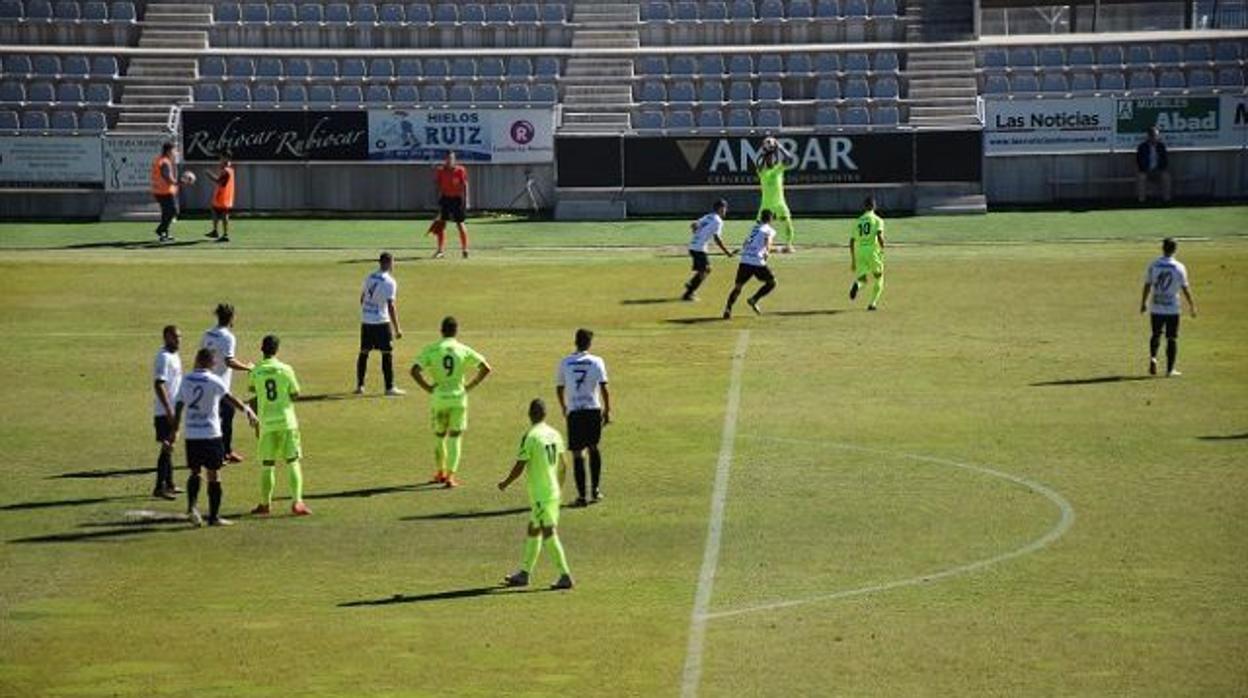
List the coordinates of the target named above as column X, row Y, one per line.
column 1144, row 298
column 482, row 371
column 238, row 365
column 516, row 471
column 606, row 403
column 419, row 377
column 245, row 408
column 1191, row 304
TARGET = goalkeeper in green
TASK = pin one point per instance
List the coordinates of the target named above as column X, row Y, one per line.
column 770, row 167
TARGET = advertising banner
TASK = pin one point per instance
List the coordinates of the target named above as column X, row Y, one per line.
column 275, row 136
column 729, row 160
column 1235, row 119
column 499, row 136
column 128, row 160
column 1185, row 122
column 1048, row 126
column 52, row 161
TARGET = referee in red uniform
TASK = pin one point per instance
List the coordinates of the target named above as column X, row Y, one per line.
column 452, row 180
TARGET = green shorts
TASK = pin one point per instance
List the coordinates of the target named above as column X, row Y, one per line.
column 868, row 261
column 544, row 514
column 444, row 417
column 779, row 209
column 278, row 444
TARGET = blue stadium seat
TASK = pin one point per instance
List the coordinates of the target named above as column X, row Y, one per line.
column 1080, row 56
column 710, row 118
column 207, row 93
column 12, row 91
column 11, row 10
column 680, row 119
column 445, row 13
column 1141, row 80
column 827, row 9
column 886, row 88
column 93, row 120
column 337, row 13
column 38, row 9
column 1172, row 80
column 554, row 13
column 105, row 67
column 740, row 118
column 1111, row 81
column 652, row 65
column 377, row 94
column 309, row 13
column 298, row 68
column 237, row 93
column 8, row 119
column 294, row 94
column 886, row 61
column 657, row 11
column 461, row 94
column 683, row 65
column 1230, row 77
column 517, row 92
column 682, row 92
column 770, row 65
column 827, row 116
column 490, row 68
column 257, row 12
column 856, row 88
column 463, row 68
column 996, row 84
column 1052, row 57
column 771, row 10
column 211, row 66
column 406, row 94
column 884, row 8
column 1025, row 83
column 352, row 68
column 324, row 68
column 270, row 67
column 349, row 94
column 856, row 116
column 18, row 64
column 1023, row 57
column 711, row 92
column 227, row 13
column 1200, row 78
column 715, row 11
column 519, row 67
column 856, row 8
column 1171, row 54
column 1054, row 82
column 489, row 94
column 241, row 67
column 685, row 12
column 70, row 93
column 647, row 120
column 994, row 58
column 801, row 9
column 472, row 13
column 1109, row 55
column 320, row 94
column 526, row 13
column 1140, row 56
column 34, row 121
column 653, row 91
column 886, row 116
column 419, row 13
column 740, row 91
column 1227, row 52
column 741, row 65
column 770, row 91
column 409, row 68
column 47, row 65
column 826, row 63
column 381, row 69
column 547, row 67
column 283, row 13
column 545, row 93
column 40, row 92
column 856, row 63
column 63, row 120
column 364, row 13
column 67, row 10
column 391, row 13
column 437, row 68
column 742, row 9
column 1082, row 82
column 1193, row 53
column 76, row 66
column 799, row 64
column 828, row 89
column 265, row 93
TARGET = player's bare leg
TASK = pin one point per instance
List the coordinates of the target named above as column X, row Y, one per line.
column 753, row 300
column 463, row 239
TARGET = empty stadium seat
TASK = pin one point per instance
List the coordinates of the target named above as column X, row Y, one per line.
column 711, row 65
column 1111, row 82
column 994, row 58
column 18, row 65
column 381, row 68
column 38, row 9
column 76, row 66
column 1172, row 80
column 12, row 91
column 886, row 61
column 516, row 92
column 212, row 66
column 1109, row 55
column 856, row 8
column 406, row 94
column 856, row 63
column 856, row 88
column 104, row 67
column 826, row 63
column 294, row 94
column 682, row 92
column 770, row 65
column 770, row 91
column 377, row 94
column 320, row 94
column 801, row 9
column 740, row 92
column 489, row 94
column 546, row 66
column 799, row 64
column 63, row 120
column 437, row 68
column 768, row 118
column 265, row 93
column 1024, row 83
column 656, row 11
column 828, row 89
column 685, row 11
column 519, row 67
column 70, row 93
column 419, row 13
column 996, row 85
column 46, row 65
column 445, row 13
column 283, row 13
column 1054, row 82
column 742, row 9
column 827, row 116
column 653, row 92
column 553, row 13
column 683, row 65
column 711, row 92
column 207, row 93
column 352, row 68
column 1197, row 53
column 1082, row 82
column 1169, row 54
column 122, row 11
column 1080, row 56
column 270, row 67
column 526, row 13
column 349, row 94
column 227, row 13
column 240, row 67
column 391, row 13
column 1140, row 55
column 310, row 13
column 710, row 118
column 714, row 11
column 886, row 88
column 11, row 10
column 490, row 68
column 324, row 68
column 1023, row 57
column 856, row 116
column 337, row 13
column 364, row 13
column 681, row 118
column 93, row 120
column 651, row 120
column 827, row 9
column 652, row 65
column 1200, row 78
column 884, row 8
column 1052, row 57
column 40, row 92
column 237, row 93
column 460, row 94
column 255, row 12
column 1230, row 77
column 1227, row 52
column 34, row 120
column 409, row 68
column 545, row 93
column 297, row 68
column 741, row 65
column 886, row 116
column 771, row 10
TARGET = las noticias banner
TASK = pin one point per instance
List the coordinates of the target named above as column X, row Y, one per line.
column 485, row 136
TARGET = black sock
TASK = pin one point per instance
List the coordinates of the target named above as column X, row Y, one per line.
column 1172, row 353
column 762, row 292
column 214, row 499
column 694, row 283
column 164, row 470
column 595, row 467
column 192, row 491
column 732, row 298
column 387, row 368
column 361, row 368
column 1153, row 343
column 227, row 427
column 578, row 472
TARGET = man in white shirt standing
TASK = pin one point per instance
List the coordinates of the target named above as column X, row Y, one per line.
column 754, row 254
column 379, row 324
column 707, row 228
column 166, row 377
column 220, row 340
column 581, row 384
column 1165, row 278
column 200, row 398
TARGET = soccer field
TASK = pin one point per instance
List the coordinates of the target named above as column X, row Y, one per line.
column 975, row 491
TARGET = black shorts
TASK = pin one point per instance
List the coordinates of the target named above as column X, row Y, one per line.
column 376, row 336
column 205, row 453
column 1169, row 323
column 700, row 261
column 584, row 429
column 745, row 272
column 451, row 208
column 163, row 430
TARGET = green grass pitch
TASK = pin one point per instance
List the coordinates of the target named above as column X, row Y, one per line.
column 859, row 474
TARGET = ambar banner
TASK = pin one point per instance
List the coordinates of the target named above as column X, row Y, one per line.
column 51, row 161
column 728, row 161
column 275, row 136
column 499, row 136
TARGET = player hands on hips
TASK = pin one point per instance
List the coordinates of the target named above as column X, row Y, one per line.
column 541, row 460
column 439, row 370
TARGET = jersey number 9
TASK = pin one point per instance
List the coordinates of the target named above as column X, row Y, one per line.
column 448, row 363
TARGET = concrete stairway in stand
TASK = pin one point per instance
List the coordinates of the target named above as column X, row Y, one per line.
column 592, row 101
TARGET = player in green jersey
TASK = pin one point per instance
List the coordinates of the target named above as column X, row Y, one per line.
column 770, row 166
column 440, row 369
column 541, row 460
column 276, row 387
column 866, row 252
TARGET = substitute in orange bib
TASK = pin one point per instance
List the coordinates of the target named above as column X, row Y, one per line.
column 452, row 180
column 164, row 178
column 222, row 198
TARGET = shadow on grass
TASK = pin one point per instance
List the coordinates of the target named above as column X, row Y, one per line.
column 23, row 506
column 748, row 313
column 1224, row 437
column 376, row 491
column 472, row 592
column 125, row 245
column 330, row 397
column 101, row 474
column 649, row 301
column 457, row 515
column 373, row 260
column 1097, row 380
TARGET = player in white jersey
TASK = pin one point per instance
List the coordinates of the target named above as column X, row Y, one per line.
column 754, row 254
column 221, row 341
column 1165, row 278
column 379, row 324
column 200, row 398
column 581, row 384
column 166, row 377
column 705, row 229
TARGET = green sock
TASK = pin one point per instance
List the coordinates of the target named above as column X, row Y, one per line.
column 555, row 548
column 532, row 548
column 789, row 232
column 439, row 453
column 452, row 453
column 296, row 481
column 268, row 480
column 877, row 290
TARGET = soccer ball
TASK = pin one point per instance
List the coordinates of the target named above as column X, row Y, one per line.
column 770, row 144
column 188, row 177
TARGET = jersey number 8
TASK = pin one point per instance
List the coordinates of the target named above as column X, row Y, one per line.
column 270, row 389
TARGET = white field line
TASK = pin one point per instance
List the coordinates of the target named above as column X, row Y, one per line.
column 1063, row 524
column 714, row 529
